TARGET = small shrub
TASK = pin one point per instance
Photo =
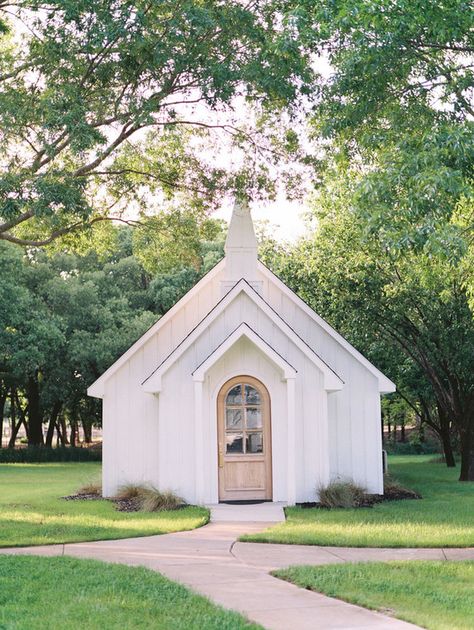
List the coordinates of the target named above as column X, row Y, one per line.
column 341, row 494
column 129, row 491
column 394, row 491
column 91, row 489
column 147, row 498
column 155, row 501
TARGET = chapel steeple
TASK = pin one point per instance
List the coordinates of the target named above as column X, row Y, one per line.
column 241, row 248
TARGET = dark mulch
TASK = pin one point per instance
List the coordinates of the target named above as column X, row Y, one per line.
column 82, row 497
column 121, row 505
column 369, row 500
column 398, row 493
column 127, row 505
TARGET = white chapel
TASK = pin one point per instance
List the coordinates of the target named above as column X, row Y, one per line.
column 241, row 392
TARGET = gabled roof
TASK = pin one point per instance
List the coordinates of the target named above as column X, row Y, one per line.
column 386, row 386
column 331, row 380
column 97, row 388
column 244, row 331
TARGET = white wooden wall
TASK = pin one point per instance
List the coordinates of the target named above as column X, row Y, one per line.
column 354, row 412
column 130, row 417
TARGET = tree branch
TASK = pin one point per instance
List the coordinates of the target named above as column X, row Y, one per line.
column 8, row 225
column 65, row 230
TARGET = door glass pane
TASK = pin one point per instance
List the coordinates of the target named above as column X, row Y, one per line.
column 234, row 442
column 233, row 418
column 252, row 396
column 254, row 418
column 234, row 397
column 254, row 443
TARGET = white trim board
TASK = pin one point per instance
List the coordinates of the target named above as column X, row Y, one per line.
column 332, row 381
column 97, row 388
column 386, row 386
column 244, row 330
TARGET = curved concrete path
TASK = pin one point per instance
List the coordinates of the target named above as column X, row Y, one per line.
column 235, row 575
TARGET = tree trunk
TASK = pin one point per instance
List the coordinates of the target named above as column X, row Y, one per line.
column 14, row 433
column 3, row 399
column 50, row 433
column 445, row 436
column 403, row 437
column 448, row 450
column 60, row 436
column 73, row 433
column 14, row 426
column 62, row 424
column 35, row 418
column 52, row 422
column 466, row 436
column 87, row 428
column 14, row 407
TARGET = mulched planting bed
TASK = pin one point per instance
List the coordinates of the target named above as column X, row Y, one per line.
column 369, row 500
column 121, row 505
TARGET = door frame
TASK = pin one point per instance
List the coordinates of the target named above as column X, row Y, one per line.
column 267, row 430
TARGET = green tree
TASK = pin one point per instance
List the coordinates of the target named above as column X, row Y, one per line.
column 394, row 132
column 398, row 109
column 409, row 313
column 66, row 317
column 104, row 104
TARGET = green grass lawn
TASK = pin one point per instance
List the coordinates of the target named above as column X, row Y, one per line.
column 443, row 518
column 435, row 595
column 66, row 593
column 32, row 512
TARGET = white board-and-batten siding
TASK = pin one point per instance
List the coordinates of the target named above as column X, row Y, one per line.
column 151, row 438
column 355, row 436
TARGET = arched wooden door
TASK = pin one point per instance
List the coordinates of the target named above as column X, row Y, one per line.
column 244, row 440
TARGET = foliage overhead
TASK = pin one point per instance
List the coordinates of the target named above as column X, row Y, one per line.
column 104, row 104
column 397, row 111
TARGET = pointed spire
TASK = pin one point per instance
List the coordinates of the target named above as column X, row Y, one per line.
column 240, row 247
column 241, row 235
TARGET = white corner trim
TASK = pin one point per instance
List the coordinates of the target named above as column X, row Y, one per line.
column 291, row 442
column 198, row 443
column 386, row 386
column 244, row 330
column 332, row 382
column 97, row 388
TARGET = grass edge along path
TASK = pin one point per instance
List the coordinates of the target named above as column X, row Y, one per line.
column 438, row 595
column 32, row 511
column 442, row 518
column 69, row 593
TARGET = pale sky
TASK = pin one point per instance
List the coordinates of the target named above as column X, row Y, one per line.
column 286, row 221
column 285, row 217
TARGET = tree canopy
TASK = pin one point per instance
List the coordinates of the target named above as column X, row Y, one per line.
column 103, row 104
column 391, row 260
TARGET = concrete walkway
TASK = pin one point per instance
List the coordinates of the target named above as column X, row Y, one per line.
column 235, row 575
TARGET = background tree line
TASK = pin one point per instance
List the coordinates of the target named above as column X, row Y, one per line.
column 66, row 317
